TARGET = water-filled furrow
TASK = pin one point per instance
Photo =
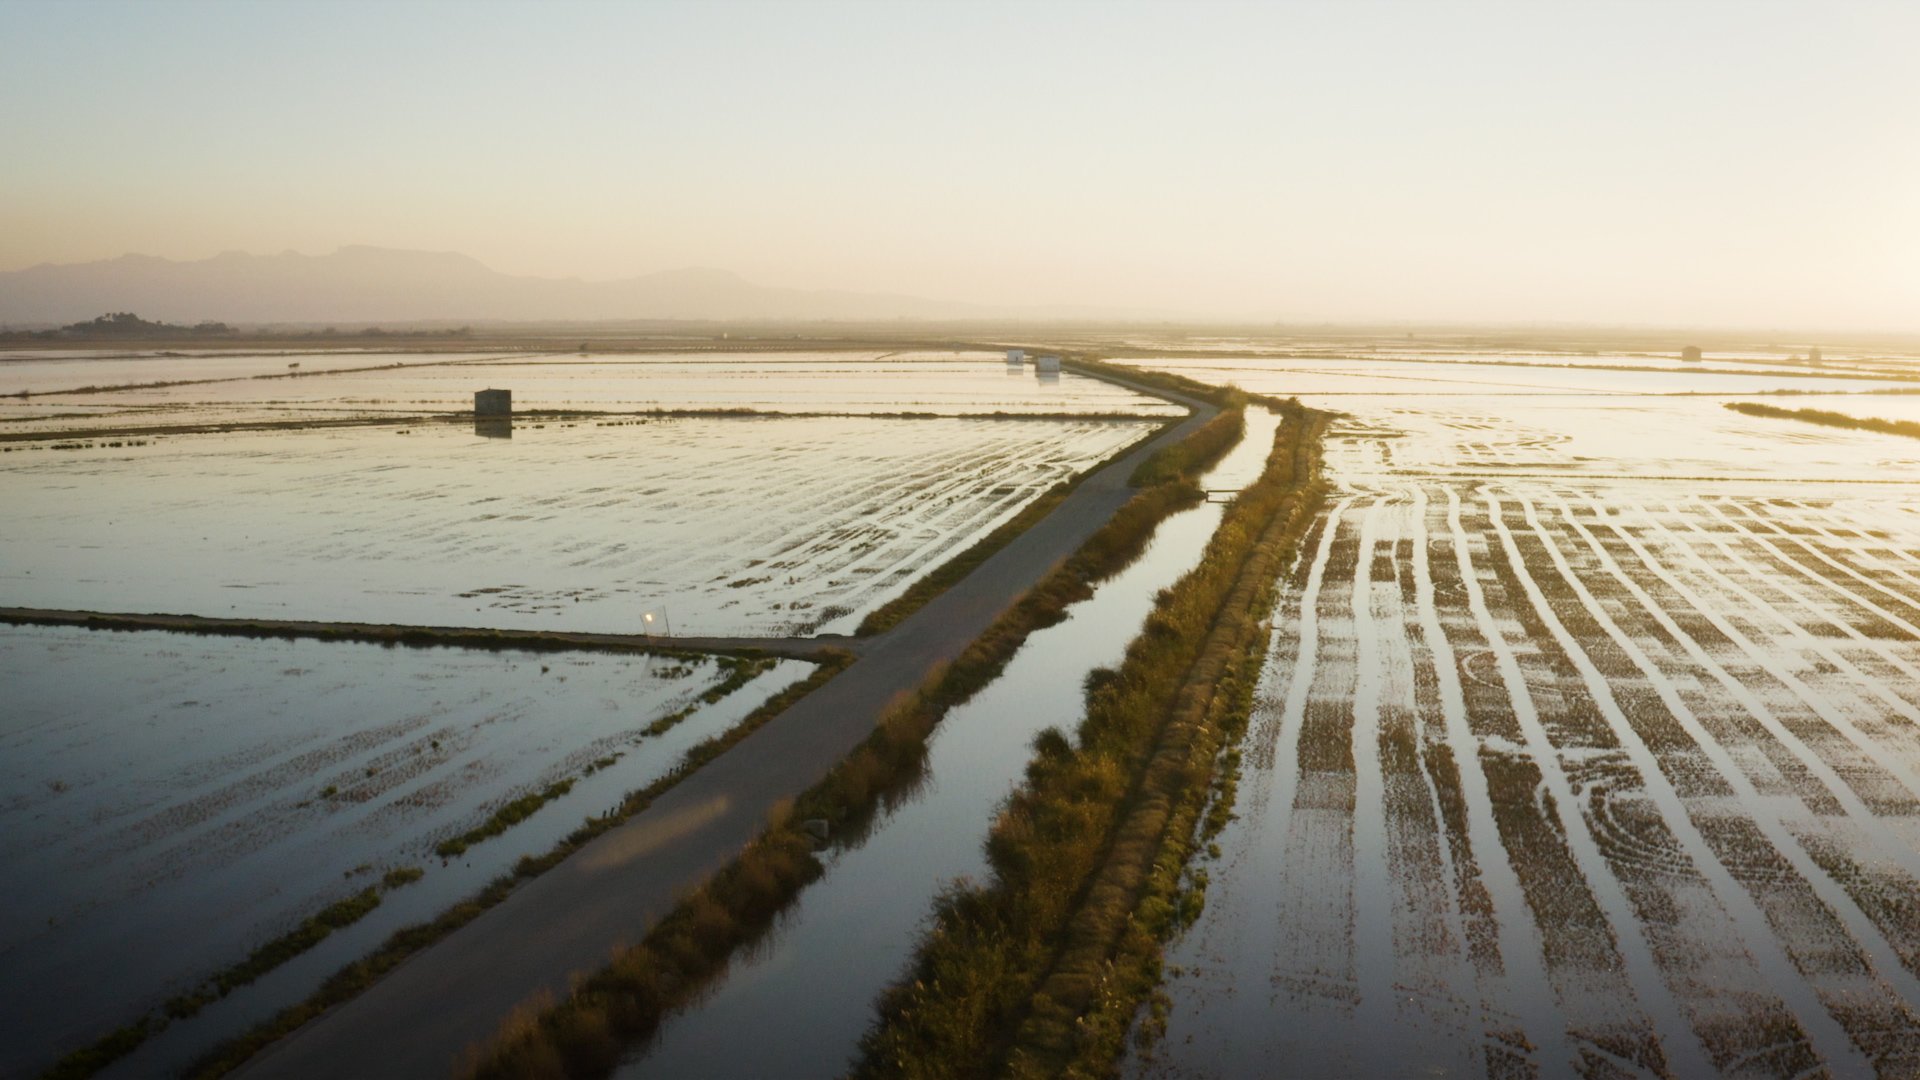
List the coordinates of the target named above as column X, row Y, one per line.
column 1751, row 699
column 1519, row 992
column 1815, row 920
column 1653, row 1037
column 1725, row 1016
column 1754, row 605
column 1829, row 584
column 1906, row 605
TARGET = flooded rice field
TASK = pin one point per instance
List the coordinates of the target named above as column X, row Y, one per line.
column 169, row 802
column 258, row 388
column 808, row 992
column 51, row 372
column 711, row 526
column 1589, row 743
column 1334, row 376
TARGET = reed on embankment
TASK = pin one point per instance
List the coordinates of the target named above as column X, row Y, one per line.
column 1018, row 975
column 1828, row 418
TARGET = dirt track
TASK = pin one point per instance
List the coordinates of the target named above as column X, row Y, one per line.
column 420, row 1019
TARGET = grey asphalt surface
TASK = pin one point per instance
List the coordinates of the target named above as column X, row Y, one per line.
column 421, row 1019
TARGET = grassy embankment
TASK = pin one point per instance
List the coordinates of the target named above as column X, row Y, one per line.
column 626, row 1001
column 357, row 976
column 1041, row 970
column 1826, row 418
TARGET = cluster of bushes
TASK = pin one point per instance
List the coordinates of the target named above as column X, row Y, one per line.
column 1017, row 976
column 625, row 1002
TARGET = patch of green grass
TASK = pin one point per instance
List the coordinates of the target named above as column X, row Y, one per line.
column 506, row 817
column 401, row 875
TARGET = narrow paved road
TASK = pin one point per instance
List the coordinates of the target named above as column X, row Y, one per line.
column 419, row 1020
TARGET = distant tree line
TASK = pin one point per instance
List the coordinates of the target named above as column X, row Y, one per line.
column 126, row 324
column 123, row 324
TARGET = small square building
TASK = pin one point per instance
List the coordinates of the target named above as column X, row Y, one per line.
column 493, row 403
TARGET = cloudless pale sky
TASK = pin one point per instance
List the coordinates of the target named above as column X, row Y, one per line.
column 1688, row 162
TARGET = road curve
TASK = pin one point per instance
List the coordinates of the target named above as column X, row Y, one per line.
column 421, row 1018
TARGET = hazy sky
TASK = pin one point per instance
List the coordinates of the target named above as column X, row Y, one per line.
column 1748, row 163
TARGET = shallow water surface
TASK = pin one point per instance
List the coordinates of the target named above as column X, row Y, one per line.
column 170, row 801
column 1585, row 746
column 753, row 526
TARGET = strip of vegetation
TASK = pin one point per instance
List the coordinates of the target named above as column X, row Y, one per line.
column 349, row 981
column 1042, row 968
column 1826, row 418
column 740, row 671
column 625, row 1002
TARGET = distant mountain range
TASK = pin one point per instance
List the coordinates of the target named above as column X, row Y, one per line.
column 364, row 285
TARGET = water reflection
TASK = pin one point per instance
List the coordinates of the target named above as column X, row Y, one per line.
column 493, row 427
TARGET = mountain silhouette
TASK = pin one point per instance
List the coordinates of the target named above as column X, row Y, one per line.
column 362, row 285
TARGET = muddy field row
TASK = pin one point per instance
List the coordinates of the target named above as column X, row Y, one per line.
column 1604, row 776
